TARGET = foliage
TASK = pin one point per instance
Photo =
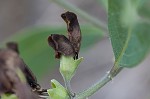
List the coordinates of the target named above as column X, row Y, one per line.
column 129, row 32
column 128, row 24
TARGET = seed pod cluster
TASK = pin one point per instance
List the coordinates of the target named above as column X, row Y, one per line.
column 67, row 46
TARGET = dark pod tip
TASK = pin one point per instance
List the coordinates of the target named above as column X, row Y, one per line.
column 63, row 16
column 51, row 42
column 68, row 16
column 13, row 46
column 54, row 45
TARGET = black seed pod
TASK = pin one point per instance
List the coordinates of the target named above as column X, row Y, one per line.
column 74, row 32
column 61, row 45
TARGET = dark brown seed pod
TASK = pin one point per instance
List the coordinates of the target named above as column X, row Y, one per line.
column 11, row 55
column 10, row 82
column 31, row 79
column 61, row 45
column 6, row 57
column 74, row 32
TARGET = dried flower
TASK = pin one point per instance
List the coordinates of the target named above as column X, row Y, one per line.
column 61, row 45
column 67, row 46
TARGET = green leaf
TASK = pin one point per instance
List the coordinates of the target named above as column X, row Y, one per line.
column 129, row 32
column 57, row 91
column 36, row 52
column 145, row 11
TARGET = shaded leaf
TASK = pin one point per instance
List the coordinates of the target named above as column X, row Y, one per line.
column 35, row 51
column 129, row 32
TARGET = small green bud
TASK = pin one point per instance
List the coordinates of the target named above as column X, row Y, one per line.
column 8, row 96
column 57, row 91
column 68, row 66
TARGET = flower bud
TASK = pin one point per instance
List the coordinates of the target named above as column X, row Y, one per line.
column 57, row 91
column 68, row 66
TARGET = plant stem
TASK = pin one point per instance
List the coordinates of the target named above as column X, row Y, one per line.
column 98, row 23
column 94, row 88
column 68, row 87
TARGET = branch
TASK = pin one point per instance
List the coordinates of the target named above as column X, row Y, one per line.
column 94, row 88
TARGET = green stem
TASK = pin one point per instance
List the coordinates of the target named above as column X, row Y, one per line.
column 68, row 87
column 94, row 88
column 98, row 23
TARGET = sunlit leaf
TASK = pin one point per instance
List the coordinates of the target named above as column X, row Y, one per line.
column 129, row 32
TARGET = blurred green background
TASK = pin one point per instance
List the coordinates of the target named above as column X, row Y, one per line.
column 30, row 22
